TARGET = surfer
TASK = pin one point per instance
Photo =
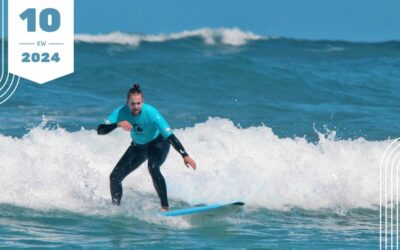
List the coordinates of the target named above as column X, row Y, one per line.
column 151, row 140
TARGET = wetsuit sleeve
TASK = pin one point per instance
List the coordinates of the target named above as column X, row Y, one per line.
column 104, row 129
column 161, row 124
column 177, row 145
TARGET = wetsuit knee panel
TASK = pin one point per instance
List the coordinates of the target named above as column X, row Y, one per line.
column 154, row 168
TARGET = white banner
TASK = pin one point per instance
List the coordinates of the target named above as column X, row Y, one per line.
column 41, row 39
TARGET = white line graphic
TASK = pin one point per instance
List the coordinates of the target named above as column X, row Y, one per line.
column 389, row 228
column 8, row 92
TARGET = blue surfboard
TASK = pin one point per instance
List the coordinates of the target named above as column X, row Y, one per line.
column 204, row 209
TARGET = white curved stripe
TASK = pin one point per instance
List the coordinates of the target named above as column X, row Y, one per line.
column 16, row 86
column 5, row 82
column 2, row 40
column 5, row 92
column 388, row 160
column 3, row 62
column 393, row 162
column 397, row 205
column 384, row 158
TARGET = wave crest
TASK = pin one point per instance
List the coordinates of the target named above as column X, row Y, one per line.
column 227, row 36
column 56, row 168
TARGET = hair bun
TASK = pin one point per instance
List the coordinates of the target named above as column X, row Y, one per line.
column 136, row 86
column 136, row 89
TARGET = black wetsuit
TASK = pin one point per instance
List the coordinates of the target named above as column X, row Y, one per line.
column 155, row 152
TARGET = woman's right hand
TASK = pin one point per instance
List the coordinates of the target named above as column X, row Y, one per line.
column 125, row 125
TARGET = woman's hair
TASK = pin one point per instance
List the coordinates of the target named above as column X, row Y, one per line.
column 134, row 90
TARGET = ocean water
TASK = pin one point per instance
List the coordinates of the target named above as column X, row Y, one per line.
column 293, row 128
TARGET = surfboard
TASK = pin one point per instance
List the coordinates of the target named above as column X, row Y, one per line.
column 211, row 209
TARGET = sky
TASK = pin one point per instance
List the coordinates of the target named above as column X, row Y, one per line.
column 351, row 20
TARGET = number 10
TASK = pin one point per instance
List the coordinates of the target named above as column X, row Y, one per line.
column 30, row 15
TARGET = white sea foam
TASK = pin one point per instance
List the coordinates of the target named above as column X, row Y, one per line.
column 58, row 169
column 233, row 37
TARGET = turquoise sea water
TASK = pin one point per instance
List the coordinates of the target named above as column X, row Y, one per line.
column 293, row 128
